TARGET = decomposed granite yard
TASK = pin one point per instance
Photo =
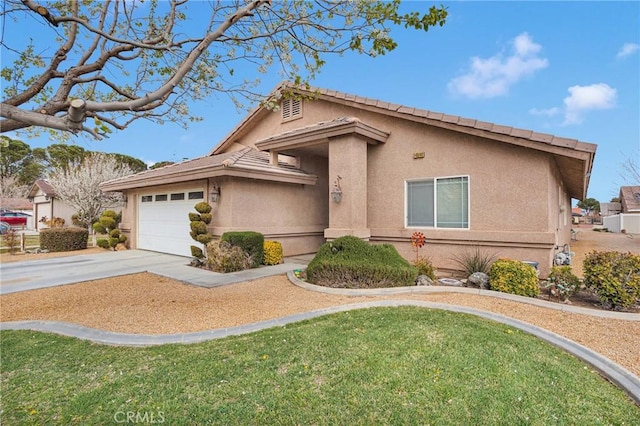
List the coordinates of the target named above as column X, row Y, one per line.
column 148, row 304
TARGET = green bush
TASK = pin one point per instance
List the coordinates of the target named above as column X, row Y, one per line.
column 250, row 242
column 199, row 230
column 206, row 217
column 198, row 227
column 272, row 253
column 515, row 277
column 349, row 262
column 196, row 252
column 475, row 260
column 562, row 283
column 203, row 207
column 225, row 257
column 63, row 239
column 108, row 224
column 425, row 267
column 614, row 276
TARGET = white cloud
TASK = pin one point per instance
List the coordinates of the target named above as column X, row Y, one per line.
column 582, row 99
column 549, row 112
column 627, row 49
column 491, row 77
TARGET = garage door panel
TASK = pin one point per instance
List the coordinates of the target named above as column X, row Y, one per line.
column 164, row 225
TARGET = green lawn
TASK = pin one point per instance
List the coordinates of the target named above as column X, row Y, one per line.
column 377, row 366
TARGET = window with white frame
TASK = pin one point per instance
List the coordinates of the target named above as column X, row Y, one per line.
column 438, row 202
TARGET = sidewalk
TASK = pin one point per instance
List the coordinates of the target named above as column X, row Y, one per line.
column 32, row 275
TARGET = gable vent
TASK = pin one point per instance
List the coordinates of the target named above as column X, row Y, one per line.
column 291, row 108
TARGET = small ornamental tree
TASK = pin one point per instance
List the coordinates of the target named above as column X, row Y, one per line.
column 108, row 224
column 199, row 231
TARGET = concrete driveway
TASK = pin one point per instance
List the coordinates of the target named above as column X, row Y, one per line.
column 31, row 275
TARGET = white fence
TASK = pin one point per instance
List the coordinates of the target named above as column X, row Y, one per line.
column 629, row 222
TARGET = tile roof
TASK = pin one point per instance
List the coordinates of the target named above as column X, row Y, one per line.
column 16, row 204
column 330, row 128
column 44, row 186
column 630, row 199
column 415, row 114
column 435, row 117
column 247, row 159
column 574, row 157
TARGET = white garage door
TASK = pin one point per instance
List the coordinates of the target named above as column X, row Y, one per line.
column 163, row 221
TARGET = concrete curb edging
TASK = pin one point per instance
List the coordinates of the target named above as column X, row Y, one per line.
column 389, row 291
column 611, row 370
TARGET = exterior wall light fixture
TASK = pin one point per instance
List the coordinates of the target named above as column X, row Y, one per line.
column 336, row 191
column 214, row 195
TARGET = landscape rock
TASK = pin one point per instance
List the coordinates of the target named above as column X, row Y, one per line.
column 423, row 280
column 121, row 247
column 479, row 279
column 450, row 282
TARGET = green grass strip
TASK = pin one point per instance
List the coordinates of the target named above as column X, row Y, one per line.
column 403, row 365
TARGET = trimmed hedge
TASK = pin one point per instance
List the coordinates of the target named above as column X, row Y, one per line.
column 515, row 277
column 349, row 262
column 64, row 239
column 614, row 276
column 250, row 242
column 272, row 253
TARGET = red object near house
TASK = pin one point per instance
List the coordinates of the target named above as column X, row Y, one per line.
column 14, row 218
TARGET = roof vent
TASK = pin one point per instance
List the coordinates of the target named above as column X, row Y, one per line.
column 291, row 108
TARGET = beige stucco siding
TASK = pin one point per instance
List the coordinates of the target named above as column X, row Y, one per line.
column 507, row 186
column 295, row 215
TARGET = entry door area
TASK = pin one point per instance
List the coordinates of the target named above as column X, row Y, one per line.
column 163, row 221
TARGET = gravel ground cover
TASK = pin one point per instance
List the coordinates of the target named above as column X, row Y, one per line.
column 149, row 304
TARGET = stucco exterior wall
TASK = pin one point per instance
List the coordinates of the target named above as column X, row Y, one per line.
column 295, row 215
column 518, row 206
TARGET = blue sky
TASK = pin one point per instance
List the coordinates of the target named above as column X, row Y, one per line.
column 571, row 69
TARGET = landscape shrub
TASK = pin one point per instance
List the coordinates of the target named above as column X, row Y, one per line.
column 64, row 239
column 475, row 260
column 515, row 277
column 272, row 253
column 203, row 207
column 225, row 257
column 562, row 283
column 11, row 240
column 108, row 224
column 349, row 262
column 199, row 230
column 425, row 267
column 614, row 276
column 250, row 242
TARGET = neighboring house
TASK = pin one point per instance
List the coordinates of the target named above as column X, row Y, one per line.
column 609, row 209
column 20, row 205
column 462, row 182
column 630, row 199
column 46, row 205
column 576, row 214
column 627, row 218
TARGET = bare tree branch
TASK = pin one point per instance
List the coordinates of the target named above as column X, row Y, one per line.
column 128, row 61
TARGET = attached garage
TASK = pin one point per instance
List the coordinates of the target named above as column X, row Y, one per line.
column 163, row 220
